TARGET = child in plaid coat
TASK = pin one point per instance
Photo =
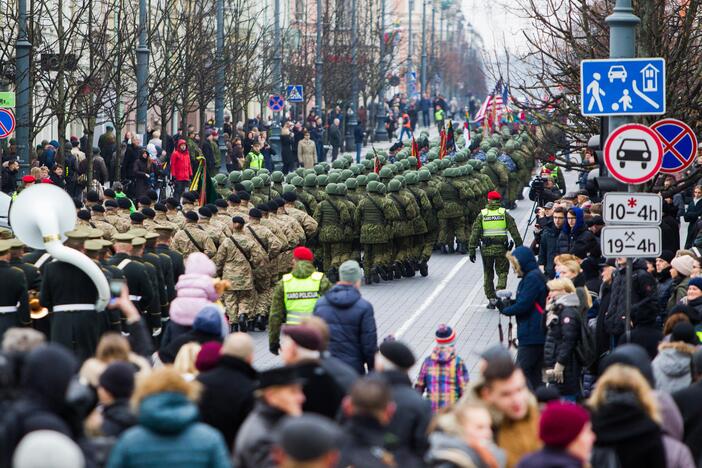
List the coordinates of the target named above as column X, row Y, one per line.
column 443, row 375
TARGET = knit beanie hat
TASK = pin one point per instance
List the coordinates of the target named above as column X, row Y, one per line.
column 445, row 335
column 667, row 255
column 561, row 423
column 696, row 282
column 208, row 356
column 118, row 379
column 38, row 447
column 683, row 264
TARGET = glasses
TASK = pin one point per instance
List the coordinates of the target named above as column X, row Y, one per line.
column 559, row 217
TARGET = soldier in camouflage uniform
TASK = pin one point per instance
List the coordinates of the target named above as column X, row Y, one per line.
column 437, row 204
column 277, row 177
column 522, row 172
column 421, row 251
column 490, row 230
column 221, row 185
column 451, row 217
column 403, row 229
column 100, row 222
column 343, row 195
column 193, row 238
column 497, row 172
column 374, row 218
column 334, row 220
column 308, row 223
column 233, row 264
column 272, row 245
column 113, row 217
column 305, row 191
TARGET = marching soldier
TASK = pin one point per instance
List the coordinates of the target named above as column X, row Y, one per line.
column 161, row 218
column 333, row 218
column 262, row 277
column 192, row 238
column 490, row 229
column 374, row 217
column 162, row 262
column 163, row 243
column 71, row 296
column 173, row 214
column 101, row 223
column 272, row 245
column 153, row 317
column 14, row 301
column 31, row 272
column 108, row 320
column 308, row 223
column 112, row 216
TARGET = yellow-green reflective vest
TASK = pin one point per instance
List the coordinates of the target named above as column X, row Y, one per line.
column 300, row 295
column 494, row 222
column 256, row 160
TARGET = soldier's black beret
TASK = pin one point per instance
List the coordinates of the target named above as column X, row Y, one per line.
column 189, row 196
column 172, row 202
column 99, row 208
column 398, row 353
column 205, row 212
column 238, row 220
column 152, row 195
column 109, row 193
column 234, row 198
column 124, row 203
column 137, row 217
column 221, row 203
column 111, row 203
column 263, row 207
column 160, row 207
column 92, row 196
column 192, row 216
column 148, row 212
column 255, row 213
column 212, row 207
column 84, row 215
column 145, row 201
column 279, row 202
column 244, row 195
column 289, row 196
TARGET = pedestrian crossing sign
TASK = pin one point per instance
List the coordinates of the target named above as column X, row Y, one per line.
column 295, row 93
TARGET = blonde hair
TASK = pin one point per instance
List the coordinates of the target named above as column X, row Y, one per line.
column 561, row 283
column 162, row 380
column 185, row 359
column 572, row 266
column 113, row 347
column 562, row 258
column 619, row 377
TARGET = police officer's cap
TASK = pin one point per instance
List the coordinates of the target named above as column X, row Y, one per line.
column 124, row 237
column 124, row 203
column 238, row 220
column 98, row 209
column 137, row 217
column 204, row 212
column 191, row 216
column 148, row 212
column 84, row 215
column 234, row 198
column 255, row 213
column 289, row 197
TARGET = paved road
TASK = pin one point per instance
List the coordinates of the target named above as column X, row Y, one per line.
column 412, row 308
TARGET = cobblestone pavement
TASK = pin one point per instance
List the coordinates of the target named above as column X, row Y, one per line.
column 411, row 308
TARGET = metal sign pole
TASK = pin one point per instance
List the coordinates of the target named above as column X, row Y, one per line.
column 629, row 268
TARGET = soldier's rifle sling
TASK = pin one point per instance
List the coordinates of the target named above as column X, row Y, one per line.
column 190, row 236
column 258, row 239
column 241, row 249
column 382, row 213
column 399, row 202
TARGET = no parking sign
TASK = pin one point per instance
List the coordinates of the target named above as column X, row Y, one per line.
column 679, row 144
column 7, row 123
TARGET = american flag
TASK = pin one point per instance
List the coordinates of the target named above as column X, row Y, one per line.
column 494, row 105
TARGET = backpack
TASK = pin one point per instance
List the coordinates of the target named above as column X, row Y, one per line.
column 585, row 349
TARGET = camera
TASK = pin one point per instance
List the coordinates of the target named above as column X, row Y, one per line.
column 536, row 190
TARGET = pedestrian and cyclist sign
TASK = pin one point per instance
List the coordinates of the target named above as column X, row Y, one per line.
column 679, row 144
column 622, row 87
column 7, row 123
column 295, row 93
column 633, row 154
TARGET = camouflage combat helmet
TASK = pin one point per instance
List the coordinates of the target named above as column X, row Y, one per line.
column 297, row 181
column 322, row 180
column 248, row 174
column 394, row 186
column 411, row 178
column 277, row 177
column 424, row 175
column 362, row 180
column 372, row 187
column 248, row 185
column 257, row 182
column 330, row 189
column 351, row 183
column 373, row 176
column 310, row 180
column 235, row 177
column 220, row 179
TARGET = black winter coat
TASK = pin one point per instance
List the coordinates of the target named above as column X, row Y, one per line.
column 665, row 288
column 548, row 246
column 689, row 402
column 228, row 396
column 323, row 394
column 670, row 233
column 693, row 213
column 364, row 444
column 411, row 419
column 352, row 330
column 562, row 335
column 581, row 242
column 117, row 418
column 644, row 302
column 141, row 177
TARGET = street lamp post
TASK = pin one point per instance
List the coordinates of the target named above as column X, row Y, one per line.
column 23, row 49
column 381, row 134
column 423, row 77
column 622, row 44
column 318, row 64
column 142, row 72
column 351, row 114
column 277, row 78
column 433, row 36
column 410, row 51
column 219, row 87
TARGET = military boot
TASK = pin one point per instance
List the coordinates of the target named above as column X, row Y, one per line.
column 234, row 327
column 375, row 275
column 462, row 248
column 242, row 323
column 261, row 322
column 492, row 303
column 397, row 267
column 409, row 269
column 251, row 324
column 424, row 268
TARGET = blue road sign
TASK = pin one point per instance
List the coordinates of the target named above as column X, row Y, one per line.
column 679, row 144
column 276, row 102
column 622, row 87
column 295, row 93
column 7, row 123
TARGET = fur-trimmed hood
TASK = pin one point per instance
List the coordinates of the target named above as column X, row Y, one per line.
column 679, row 346
column 522, row 260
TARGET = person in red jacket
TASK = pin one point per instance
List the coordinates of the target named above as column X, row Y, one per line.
column 181, row 170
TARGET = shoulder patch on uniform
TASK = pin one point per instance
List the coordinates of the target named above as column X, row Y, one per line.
column 287, row 277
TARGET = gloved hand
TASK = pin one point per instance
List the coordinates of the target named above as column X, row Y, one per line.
column 558, row 372
column 471, row 257
column 500, row 305
column 274, row 348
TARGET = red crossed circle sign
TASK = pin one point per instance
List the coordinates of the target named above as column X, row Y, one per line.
column 7, row 123
column 633, row 153
column 679, row 144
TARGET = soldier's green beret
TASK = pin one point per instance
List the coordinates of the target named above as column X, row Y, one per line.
column 277, row 177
